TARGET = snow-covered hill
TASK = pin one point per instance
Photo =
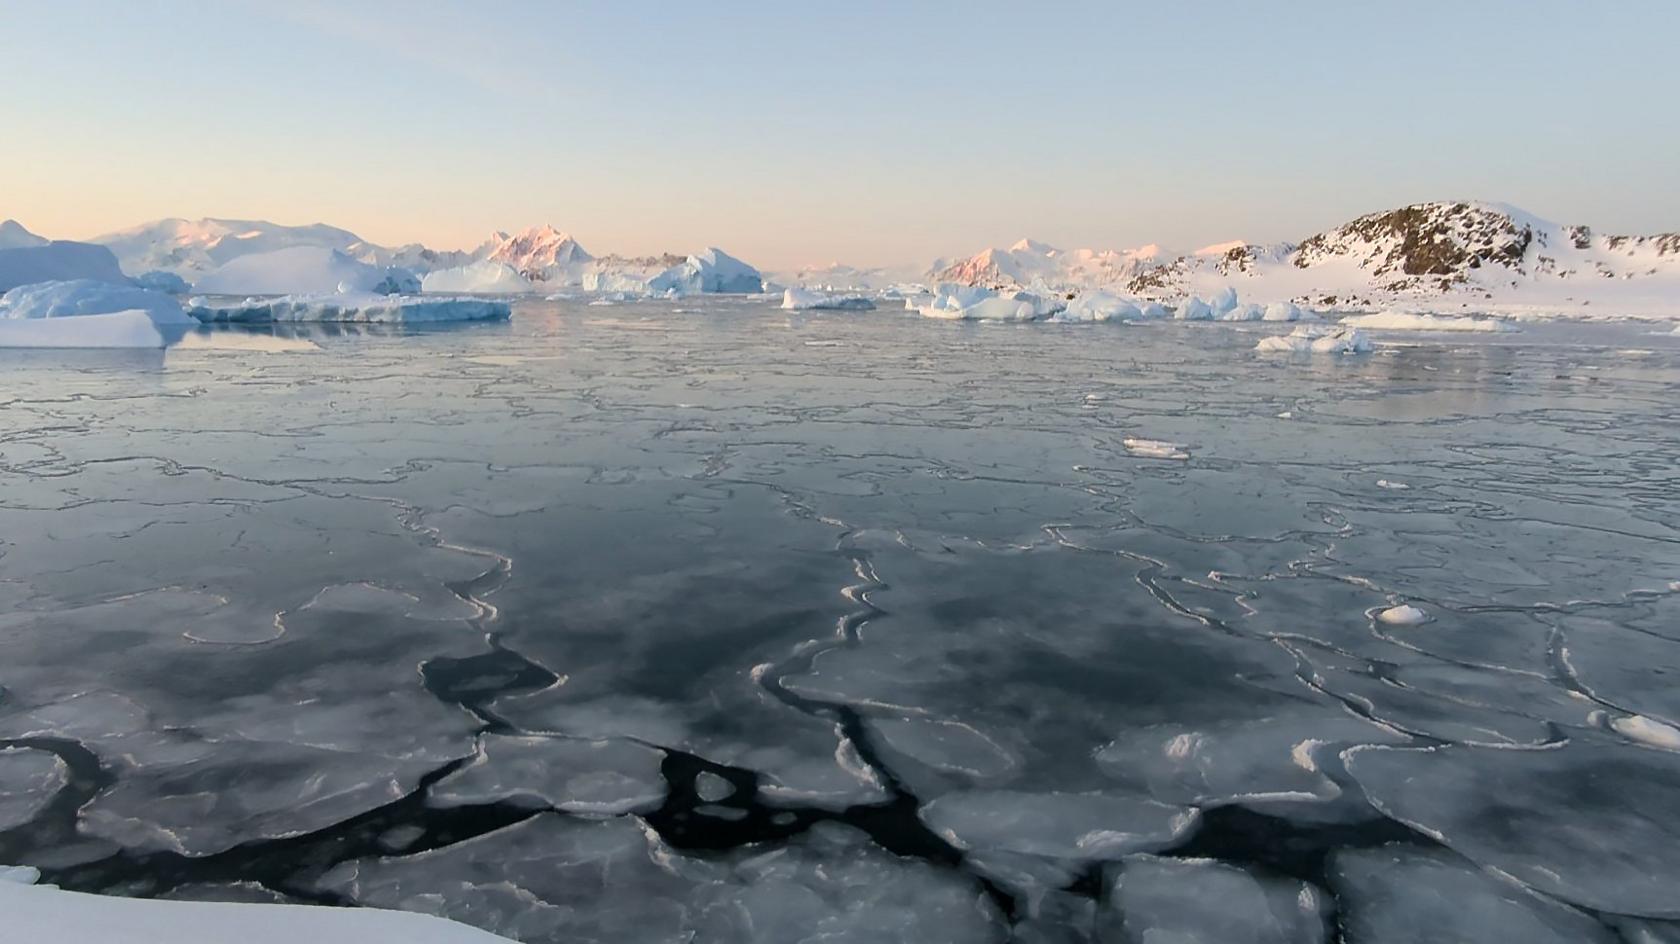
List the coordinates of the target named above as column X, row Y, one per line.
column 542, row 254
column 191, row 248
column 1447, row 255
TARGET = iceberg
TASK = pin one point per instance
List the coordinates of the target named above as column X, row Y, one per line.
column 1098, row 306
column 800, row 299
column 361, row 308
column 1244, row 312
column 299, row 269
column 712, row 271
column 75, row 297
column 14, row 236
column 1225, row 301
column 85, row 313
column 1153, row 310
column 485, row 277
column 1407, row 321
column 1194, row 309
column 162, row 280
column 57, row 261
column 1309, row 339
column 970, row 303
column 1286, row 311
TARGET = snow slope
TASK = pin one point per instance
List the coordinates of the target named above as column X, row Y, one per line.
column 56, row 261
column 194, row 248
column 46, row 914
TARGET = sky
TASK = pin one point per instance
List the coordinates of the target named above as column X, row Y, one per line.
column 800, row 133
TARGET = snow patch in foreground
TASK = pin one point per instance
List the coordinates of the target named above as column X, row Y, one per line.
column 1311, row 339
column 800, row 299
column 1407, row 321
column 40, row 913
column 379, row 309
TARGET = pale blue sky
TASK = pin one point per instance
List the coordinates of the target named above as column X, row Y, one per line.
column 869, row 132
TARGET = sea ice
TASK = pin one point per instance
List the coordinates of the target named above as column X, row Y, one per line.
column 801, row 299
column 1201, row 901
column 593, row 778
column 298, row 270
column 380, row 309
column 1545, row 817
column 1647, row 731
column 1407, row 321
column 1076, row 827
column 57, row 262
column 1412, row 895
column 28, row 780
column 1312, row 339
column 485, row 277
column 1154, row 448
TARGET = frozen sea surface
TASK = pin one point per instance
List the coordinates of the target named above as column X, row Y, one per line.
column 729, row 623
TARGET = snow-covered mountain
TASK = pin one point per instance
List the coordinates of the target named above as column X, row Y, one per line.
column 192, row 248
column 541, row 254
column 14, row 236
column 1443, row 254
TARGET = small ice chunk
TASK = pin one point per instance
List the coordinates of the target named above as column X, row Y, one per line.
column 1083, row 827
column 1392, row 485
column 712, row 788
column 594, row 778
column 1201, row 901
column 1246, row 312
column 1154, row 448
column 1314, row 339
column 28, row 781
column 19, row 874
column 1403, row 615
column 1648, row 731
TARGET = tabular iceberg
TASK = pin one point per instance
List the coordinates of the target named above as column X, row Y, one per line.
column 362, row 308
column 86, row 313
column 800, row 299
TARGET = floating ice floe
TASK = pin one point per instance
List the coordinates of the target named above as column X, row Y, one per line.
column 1402, row 615
column 485, row 277
column 36, row 913
column 1392, row 485
column 57, row 261
column 1201, row 901
column 800, row 299
column 1098, row 306
column 1413, row 895
column 592, row 778
column 1074, row 827
column 1407, row 321
column 1244, row 312
column 1594, row 824
column 380, row 309
column 966, row 303
column 1154, row 448
column 1313, row 339
column 1647, row 731
column 29, row 779
column 87, row 313
column 301, row 269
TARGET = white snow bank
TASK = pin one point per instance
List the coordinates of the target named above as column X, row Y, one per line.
column 122, row 329
column 79, row 297
column 381, row 309
column 1311, row 339
column 159, row 280
column 57, row 261
column 1407, row 321
column 712, row 271
column 483, row 278
column 966, row 303
column 800, row 299
column 1098, row 306
column 38, row 913
column 300, row 269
